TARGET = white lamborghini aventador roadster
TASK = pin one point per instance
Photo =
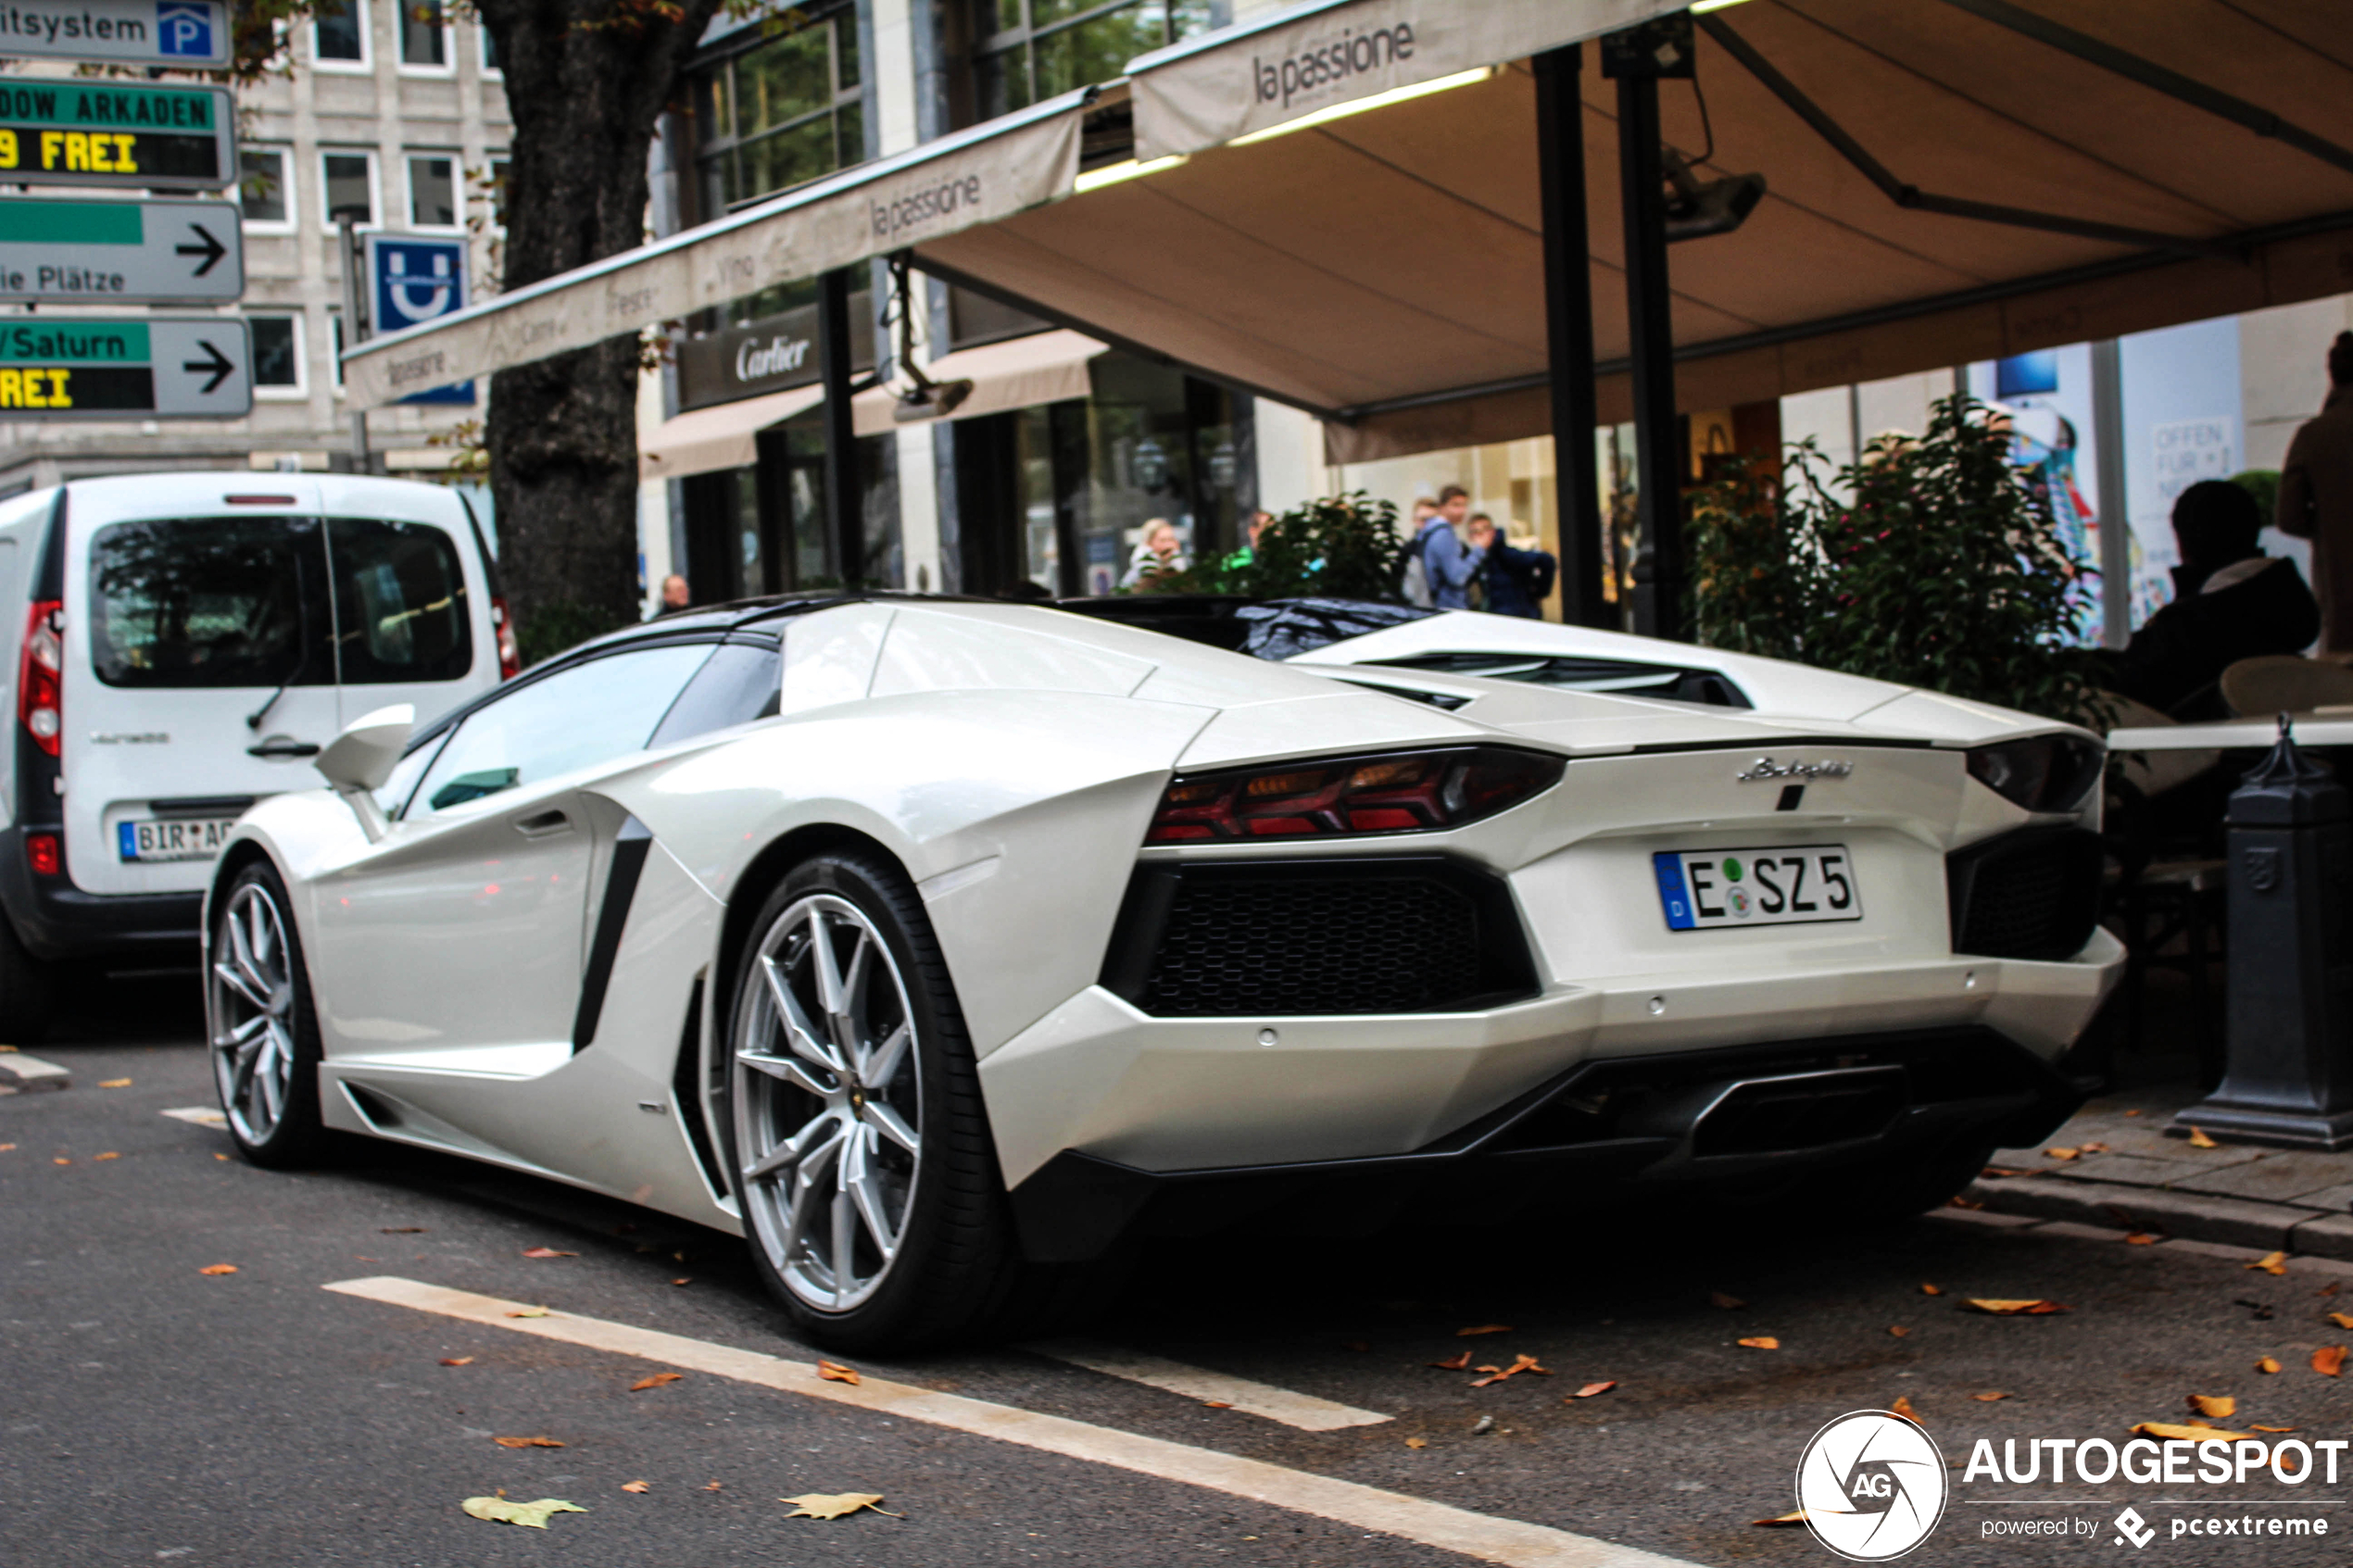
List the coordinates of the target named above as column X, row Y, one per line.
column 938, row 946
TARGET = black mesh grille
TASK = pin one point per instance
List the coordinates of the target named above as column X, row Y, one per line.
column 2032, row 894
column 1297, row 939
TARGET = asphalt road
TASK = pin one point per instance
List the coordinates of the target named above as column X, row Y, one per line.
column 149, row 1411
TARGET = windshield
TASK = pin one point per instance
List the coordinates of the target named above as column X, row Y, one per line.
column 208, row 602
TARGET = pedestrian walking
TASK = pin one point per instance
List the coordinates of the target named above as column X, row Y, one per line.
column 674, row 595
column 1517, row 582
column 2316, row 498
column 1444, row 564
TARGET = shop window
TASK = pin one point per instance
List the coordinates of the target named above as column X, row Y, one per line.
column 1030, row 50
column 783, row 112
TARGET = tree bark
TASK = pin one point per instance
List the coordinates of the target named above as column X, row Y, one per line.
column 586, row 81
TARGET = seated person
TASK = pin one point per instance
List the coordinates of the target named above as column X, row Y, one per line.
column 2230, row 602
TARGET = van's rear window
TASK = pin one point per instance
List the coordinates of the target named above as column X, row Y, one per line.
column 400, row 602
column 232, row 601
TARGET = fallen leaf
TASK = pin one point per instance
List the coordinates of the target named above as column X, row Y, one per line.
column 2061, row 1153
column 1988, row 1399
column 1730, row 1303
column 2140, row 1238
column 400, row 1230
column 712, row 1488
column 1218, row 1404
column 832, row 1505
column 1958, row 1201
column 2093, row 1148
column 2341, row 1319
column 529, row 1312
column 1483, row 1328
column 217, row 1269
column 1417, row 1442
column 110, row 1155
column 1763, row 1342
column 531, row 1515
column 1995, row 1172
column 1903, row 1407
column 457, row 1360
column 5, row 1147
column 2131, row 1113
column 2187, row 1431
column 834, row 1372
column 220, row 1156
column 547, row 1252
column 655, row 1380
column 1932, row 1290
column 1898, row 1329
column 637, row 1486
column 683, row 1279
column 2253, row 1426
column 2328, row 1289
column 2219, row 1406
column 2002, row 1308
column 61, row 1160
column 1452, row 1363
column 1590, row 1389
column 2329, row 1360
column 2270, row 1263
column 1519, row 1364
column 2267, row 1364
column 526, row 1442
column 1795, row 1518
column 1354, row 1345
column 114, row 1083
column 2199, row 1140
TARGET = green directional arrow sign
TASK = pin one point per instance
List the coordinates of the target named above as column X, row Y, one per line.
column 100, row 367
column 119, row 251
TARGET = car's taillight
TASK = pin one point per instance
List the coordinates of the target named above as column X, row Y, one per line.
column 40, row 677
column 1396, row 792
column 510, row 654
column 45, row 852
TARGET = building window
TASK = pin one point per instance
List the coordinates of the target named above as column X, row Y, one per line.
column 433, row 192
column 348, row 183
column 780, row 114
column 264, row 187
column 277, row 354
column 424, row 34
column 1031, row 50
column 339, row 37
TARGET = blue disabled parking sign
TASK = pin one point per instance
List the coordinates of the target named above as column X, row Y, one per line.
column 413, row 279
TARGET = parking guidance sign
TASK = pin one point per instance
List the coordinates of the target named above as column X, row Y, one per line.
column 72, row 132
column 107, row 368
column 123, row 32
column 119, row 251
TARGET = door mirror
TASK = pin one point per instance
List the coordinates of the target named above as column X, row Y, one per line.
column 362, row 758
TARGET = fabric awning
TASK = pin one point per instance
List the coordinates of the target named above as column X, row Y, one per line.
column 1017, row 373
column 975, row 176
column 723, row 436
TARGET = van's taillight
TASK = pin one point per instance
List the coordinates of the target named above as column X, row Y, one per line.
column 40, row 677
column 45, row 852
column 509, row 656
column 1396, row 792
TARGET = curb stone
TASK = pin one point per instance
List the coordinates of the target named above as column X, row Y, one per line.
column 2192, row 1216
column 21, row 1074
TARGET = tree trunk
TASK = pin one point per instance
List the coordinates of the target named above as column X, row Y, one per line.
column 586, row 80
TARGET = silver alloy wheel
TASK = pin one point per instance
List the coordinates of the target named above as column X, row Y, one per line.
column 828, row 1104
column 251, row 993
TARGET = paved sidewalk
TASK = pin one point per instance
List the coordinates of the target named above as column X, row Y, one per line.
column 2125, row 1173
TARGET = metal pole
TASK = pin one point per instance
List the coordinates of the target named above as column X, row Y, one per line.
column 355, row 333
column 1568, row 332
column 2108, row 470
column 844, row 515
column 1659, row 458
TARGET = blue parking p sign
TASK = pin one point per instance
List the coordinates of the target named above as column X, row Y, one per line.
column 413, row 279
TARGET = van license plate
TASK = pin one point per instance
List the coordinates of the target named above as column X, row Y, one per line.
column 1702, row 889
column 173, row 838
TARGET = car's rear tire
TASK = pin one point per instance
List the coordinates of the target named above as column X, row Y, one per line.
column 28, row 990
column 259, row 1020
column 1891, row 1190
column 858, row 1145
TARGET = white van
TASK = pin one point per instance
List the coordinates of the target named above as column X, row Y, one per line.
column 186, row 642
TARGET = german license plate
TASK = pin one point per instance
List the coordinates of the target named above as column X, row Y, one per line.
column 1705, row 889
column 173, row 838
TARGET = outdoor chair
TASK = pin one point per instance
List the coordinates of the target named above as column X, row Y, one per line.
column 2285, row 682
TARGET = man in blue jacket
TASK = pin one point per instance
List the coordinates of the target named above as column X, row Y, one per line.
column 1448, row 562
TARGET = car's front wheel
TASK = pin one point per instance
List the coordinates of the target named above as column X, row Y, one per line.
column 862, row 1152
column 259, row 1018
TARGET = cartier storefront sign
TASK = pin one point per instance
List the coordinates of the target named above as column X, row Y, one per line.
column 769, row 354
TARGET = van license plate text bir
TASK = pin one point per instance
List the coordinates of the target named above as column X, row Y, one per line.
column 176, row 838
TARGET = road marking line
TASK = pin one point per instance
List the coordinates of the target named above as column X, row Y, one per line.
column 1303, row 1410
column 31, row 1072
column 198, row 1115
column 1480, row 1535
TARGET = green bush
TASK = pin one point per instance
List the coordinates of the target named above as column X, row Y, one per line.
column 1343, row 546
column 1943, row 570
